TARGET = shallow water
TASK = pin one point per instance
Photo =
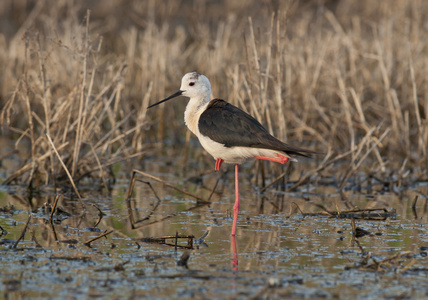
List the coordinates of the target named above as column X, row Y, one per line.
column 277, row 252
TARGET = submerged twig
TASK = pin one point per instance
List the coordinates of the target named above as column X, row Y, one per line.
column 200, row 203
column 128, row 201
column 54, row 231
column 100, row 215
column 54, row 207
column 303, row 214
column 414, row 201
column 169, row 185
column 88, row 243
column 367, row 214
column 214, row 188
column 354, row 232
column 176, row 237
column 35, row 240
column 22, row 233
column 390, row 263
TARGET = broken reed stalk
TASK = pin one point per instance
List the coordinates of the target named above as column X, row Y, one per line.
column 392, row 262
column 407, row 266
column 173, row 215
column 214, row 188
column 66, row 171
column 88, row 243
column 131, row 186
column 354, row 167
column 176, row 237
column 298, row 207
column 54, row 207
column 22, row 233
column 53, row 231
column 200, row 199
column 388, row 263
column 375, row 214
column 100, row 215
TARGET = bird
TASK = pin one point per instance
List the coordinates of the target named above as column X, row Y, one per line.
column 228, row 133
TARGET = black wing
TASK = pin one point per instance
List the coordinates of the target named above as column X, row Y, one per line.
column 226, row 124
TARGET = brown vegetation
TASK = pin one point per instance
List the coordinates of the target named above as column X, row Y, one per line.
column 340, row 77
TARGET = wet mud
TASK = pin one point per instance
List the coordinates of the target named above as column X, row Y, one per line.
column 157, row 242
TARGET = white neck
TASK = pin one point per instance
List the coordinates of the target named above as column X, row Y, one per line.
column 194, row 109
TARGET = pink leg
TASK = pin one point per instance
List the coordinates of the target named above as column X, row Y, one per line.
column 218, row 163
column 280, row 159
column 236, row 206
column 234, row 254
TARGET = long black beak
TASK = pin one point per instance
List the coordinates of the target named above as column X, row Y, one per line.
column 168, row 98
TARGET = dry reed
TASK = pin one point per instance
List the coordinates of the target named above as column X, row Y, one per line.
column 333, row 76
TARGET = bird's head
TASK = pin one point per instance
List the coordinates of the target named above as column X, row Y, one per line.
column 193, row 85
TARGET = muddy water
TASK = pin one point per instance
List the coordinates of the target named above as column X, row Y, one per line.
column 277, row 252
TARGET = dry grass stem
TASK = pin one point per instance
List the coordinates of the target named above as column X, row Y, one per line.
column 144, row 174
column 317, row 75
column 66, row 170
column 88, row 243
column 22, row 233
column 54, row 207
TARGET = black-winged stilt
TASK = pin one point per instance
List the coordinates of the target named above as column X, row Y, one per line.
column 226, row 132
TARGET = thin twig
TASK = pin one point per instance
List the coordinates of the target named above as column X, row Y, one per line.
column 22, row 233
column 100, row 215
column 303, row 214
column 171, row 186
column 29, row 166
column 88, row 243
column 54, row 207
column 66, row 170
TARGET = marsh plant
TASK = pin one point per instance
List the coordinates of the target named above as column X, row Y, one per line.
column 346, row 78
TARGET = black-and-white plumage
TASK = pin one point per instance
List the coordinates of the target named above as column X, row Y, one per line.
column 228, row 133
column 226, row 124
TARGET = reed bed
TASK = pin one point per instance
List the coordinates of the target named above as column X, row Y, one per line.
column 346, row 78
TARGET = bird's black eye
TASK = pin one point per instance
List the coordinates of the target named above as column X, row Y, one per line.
column 191, row 83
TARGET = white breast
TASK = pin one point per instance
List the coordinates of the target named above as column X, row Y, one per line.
column 194, row 109
column 235, row 155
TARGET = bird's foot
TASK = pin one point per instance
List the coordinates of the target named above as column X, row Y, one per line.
column 218, row 163
column 280, row 159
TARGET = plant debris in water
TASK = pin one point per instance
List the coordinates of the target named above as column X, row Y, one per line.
column 342, row 86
